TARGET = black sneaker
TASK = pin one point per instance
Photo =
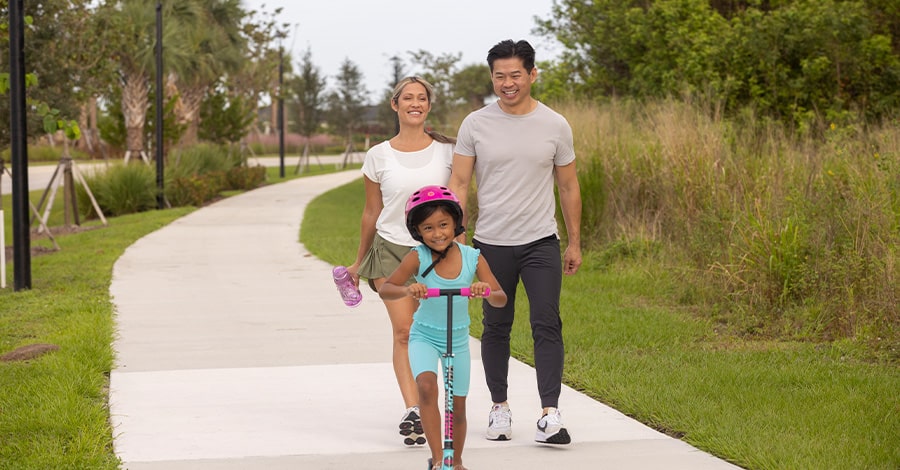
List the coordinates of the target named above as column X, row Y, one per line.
column 411, row 427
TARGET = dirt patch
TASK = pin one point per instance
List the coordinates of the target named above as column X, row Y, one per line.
column 37, row 250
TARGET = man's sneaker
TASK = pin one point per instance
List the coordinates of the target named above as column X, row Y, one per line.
column 411, row 427
column 499, row 424
column 550, row 429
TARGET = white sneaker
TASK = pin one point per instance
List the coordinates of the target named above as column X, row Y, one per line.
column 411, row 427
column 499, row 424
column 550, row 429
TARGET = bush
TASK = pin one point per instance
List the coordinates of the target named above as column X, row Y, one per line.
column 120, row 189
column 245, row 177
column 194, row 190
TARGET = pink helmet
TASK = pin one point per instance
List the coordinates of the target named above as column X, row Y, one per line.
column 430, row 196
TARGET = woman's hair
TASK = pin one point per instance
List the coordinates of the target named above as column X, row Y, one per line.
column 429, row 91
column 398, row 88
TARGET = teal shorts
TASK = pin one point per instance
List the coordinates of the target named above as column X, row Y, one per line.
column 427, row 345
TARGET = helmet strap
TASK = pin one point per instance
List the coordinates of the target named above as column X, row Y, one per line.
column 441, row 255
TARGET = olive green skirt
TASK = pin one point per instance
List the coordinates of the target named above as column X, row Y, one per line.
column 382, row 259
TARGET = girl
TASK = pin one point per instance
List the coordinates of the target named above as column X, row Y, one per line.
column 434, row 218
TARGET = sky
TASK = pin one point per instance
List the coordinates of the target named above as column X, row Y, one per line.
column 370, row 32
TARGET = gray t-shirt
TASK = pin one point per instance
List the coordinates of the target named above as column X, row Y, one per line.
column 515, row 156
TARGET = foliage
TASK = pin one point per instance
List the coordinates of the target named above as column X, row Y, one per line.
column 224, row 118
column 49, row 94
column 47, row 153
column 43, row 117
column 307, row 92
column 112, row 123
column 120, row 189
column 780, row 237
column 471, row 85
column 805, row 63
column 347, row 101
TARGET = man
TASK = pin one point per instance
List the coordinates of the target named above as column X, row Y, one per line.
column 516, row 147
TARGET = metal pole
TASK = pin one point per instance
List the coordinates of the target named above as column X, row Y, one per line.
column 160, row 165
column 18, row 148
column 281, row 111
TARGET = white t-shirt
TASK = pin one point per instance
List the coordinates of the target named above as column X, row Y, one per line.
column 399, row 174
column 515, row 156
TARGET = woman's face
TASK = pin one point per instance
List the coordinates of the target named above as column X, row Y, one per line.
column 412, row 105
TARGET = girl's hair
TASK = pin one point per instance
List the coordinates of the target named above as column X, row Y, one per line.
column 429, row 91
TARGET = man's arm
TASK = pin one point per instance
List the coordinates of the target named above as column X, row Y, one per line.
column 570, row 201
column 460, row 179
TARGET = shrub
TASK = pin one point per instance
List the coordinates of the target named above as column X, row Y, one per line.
column 245, row 177
column 120, row 189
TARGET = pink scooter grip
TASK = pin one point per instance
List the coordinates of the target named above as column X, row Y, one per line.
column 465, row 291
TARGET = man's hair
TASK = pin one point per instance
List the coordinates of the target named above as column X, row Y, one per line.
column 508, row 49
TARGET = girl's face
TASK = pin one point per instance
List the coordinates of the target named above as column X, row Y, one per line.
column 437, row 229
column 412, row 105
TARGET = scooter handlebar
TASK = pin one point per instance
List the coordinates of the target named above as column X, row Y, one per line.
column 465, row 292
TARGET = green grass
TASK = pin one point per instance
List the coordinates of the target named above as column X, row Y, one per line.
column 759, row 404
column 53, row 409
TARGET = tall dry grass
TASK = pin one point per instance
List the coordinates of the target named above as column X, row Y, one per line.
column 782, row 236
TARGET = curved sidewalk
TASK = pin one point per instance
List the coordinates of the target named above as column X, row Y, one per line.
column 234, row 351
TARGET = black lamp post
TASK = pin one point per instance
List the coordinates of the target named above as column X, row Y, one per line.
column 281, row 111
column 160, row 165
column 18, row 148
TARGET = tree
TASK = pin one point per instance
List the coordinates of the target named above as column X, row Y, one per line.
column 307, row 91
column 472, row 85
column 224, row 116
column 55, row 33
column 347, row 102
column 803, row 62
column 133, row 47
column 258, row 75
column 216, row 49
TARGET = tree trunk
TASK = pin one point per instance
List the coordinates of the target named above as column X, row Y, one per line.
column 135, row 98
column 189, row 114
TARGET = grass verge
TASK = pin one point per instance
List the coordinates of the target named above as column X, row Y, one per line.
column 53, row 409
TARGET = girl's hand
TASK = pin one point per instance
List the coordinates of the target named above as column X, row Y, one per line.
column 417, row 291
column 478, row 289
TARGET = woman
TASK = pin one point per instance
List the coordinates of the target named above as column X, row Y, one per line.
column 392, row 171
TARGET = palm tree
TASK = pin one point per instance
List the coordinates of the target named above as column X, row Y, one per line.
column 216, row 50
column 135, row 22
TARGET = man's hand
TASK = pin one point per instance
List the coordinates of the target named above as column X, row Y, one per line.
column 571, row 260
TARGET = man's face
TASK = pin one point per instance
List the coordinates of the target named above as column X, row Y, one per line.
column 512, row 83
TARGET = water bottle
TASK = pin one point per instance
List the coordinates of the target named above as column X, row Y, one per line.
column 350, row 294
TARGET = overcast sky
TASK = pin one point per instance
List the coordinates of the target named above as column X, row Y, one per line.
column 369, row 32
